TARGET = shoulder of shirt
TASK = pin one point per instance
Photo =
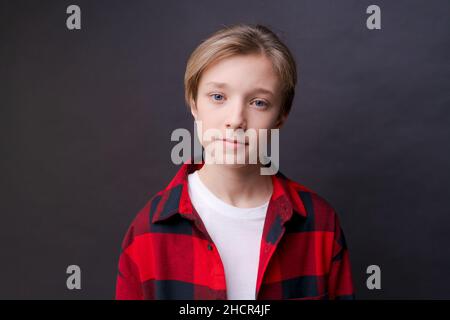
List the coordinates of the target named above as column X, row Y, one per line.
column 321, row 205
column 140, row 224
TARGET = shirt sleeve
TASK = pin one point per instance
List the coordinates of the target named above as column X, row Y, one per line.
column 128, row 284
column 340, row 283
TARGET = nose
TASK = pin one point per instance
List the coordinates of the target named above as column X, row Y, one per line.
column 236, row 118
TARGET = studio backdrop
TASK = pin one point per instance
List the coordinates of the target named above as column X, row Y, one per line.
column 88, row 104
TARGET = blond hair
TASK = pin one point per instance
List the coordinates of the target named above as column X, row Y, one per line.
column 241, row 39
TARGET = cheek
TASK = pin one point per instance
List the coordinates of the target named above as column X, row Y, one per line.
column 265, row 125
column 268, row 121
column 209, row 117
column 205, row 127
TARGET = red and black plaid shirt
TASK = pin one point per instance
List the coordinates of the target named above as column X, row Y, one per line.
column 168, row 254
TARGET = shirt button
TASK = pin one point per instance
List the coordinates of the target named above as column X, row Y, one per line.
column 210, row 247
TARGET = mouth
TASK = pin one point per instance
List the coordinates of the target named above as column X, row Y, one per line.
column 233, row 141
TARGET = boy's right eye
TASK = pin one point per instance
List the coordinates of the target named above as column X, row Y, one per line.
column 216, row 95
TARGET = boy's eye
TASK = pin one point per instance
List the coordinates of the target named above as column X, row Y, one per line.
column 260, row 103
column 215, row 95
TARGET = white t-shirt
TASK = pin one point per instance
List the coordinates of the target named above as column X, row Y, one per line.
column 236, row 232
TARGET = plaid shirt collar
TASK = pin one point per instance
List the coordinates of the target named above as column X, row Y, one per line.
column 175, row 200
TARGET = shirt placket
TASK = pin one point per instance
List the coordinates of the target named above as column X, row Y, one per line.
column 217, row 272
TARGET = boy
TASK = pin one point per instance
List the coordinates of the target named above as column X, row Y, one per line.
column 224, row 230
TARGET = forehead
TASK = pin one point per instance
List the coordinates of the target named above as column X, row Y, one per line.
column 241, row 72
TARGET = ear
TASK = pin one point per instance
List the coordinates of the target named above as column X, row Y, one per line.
column 193, row 109
column 281, row 120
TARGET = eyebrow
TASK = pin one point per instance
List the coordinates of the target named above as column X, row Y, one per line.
column 224, row 85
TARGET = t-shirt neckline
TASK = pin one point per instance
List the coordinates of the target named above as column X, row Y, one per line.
column 223, row 207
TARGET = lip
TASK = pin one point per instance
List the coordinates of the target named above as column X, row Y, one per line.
column 233, row 141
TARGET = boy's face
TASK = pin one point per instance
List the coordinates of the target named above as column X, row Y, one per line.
column 231, row 97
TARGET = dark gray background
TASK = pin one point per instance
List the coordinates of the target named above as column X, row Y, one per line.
column 86, row 118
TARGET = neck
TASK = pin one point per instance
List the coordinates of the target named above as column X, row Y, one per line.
column 240, row 186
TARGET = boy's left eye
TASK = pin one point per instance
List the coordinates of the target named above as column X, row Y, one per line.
column 261, row 104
